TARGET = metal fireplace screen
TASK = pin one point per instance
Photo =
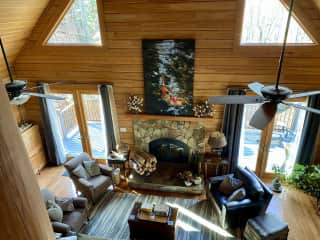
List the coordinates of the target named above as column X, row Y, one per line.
column 169, row 150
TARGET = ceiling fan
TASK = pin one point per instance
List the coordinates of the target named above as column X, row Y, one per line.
column 269, row 96
column 16, row 89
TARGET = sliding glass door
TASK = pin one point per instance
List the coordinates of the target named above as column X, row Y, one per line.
column 94, row 124
column 276, row 145
column 80, row 120
column 68, row 126
column 250, row 140
column 285, row 139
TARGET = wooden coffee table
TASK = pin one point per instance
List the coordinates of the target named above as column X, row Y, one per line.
column 144, row 229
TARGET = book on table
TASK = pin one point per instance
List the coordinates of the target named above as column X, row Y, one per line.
column 147, row 207
column 161, row 210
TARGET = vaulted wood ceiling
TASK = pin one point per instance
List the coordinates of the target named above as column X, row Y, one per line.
column 17, row 19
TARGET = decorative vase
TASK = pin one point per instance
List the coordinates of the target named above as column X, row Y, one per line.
column 276, row 185
column 187, row 183
column 197, row 180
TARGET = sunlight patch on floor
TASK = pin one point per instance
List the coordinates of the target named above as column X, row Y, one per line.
column 186, row 227
column 200, row 220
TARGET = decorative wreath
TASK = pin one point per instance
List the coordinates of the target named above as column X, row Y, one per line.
column 203, row 109
column 135, row 104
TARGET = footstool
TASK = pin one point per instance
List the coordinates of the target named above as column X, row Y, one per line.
column 266, row 227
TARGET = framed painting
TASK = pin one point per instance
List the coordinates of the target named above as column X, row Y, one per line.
column 168, row 76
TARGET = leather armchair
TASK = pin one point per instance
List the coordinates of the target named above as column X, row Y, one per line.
column 95, row 187
column 72, row 221
column 235, row 214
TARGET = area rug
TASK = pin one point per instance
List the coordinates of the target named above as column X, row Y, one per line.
column 109, row 217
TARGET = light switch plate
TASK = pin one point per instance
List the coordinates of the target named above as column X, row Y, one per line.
column 123, row 130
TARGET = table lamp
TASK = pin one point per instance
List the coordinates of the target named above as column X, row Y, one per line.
column 217, row 141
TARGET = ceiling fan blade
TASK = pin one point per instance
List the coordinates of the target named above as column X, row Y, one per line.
column 309, row 109
column 53, row 97
column 235, row 99
column 264, row 115
column 304, row 94
column 256, row 87
column 48, row 84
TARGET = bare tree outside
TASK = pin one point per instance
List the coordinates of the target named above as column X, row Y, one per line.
column 264, row 22
column 79, row 25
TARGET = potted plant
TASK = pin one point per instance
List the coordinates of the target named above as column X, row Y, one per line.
column 279, row 177
column 306, row 178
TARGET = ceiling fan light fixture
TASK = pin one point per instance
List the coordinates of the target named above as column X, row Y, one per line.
column 22, row 99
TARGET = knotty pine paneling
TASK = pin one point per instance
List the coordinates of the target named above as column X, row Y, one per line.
column 218, row 63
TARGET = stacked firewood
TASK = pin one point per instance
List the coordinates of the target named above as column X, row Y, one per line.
column 144, row 163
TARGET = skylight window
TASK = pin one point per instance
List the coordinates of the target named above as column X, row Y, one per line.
column 264, row 22
column 80, row 25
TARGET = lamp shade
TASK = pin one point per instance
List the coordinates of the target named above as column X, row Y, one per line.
column 217, row 141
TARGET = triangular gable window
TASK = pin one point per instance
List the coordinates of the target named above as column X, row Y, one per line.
column 264, row 22
column 80, row 25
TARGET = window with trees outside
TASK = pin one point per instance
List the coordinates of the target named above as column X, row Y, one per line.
column 264, row 22
column 80, row 25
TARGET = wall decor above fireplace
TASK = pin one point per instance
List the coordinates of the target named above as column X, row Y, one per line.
column 168, row 76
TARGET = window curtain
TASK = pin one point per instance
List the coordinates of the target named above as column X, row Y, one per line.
column 306, row 152
column 232, row 122
column 52, row 139
column 110, row 117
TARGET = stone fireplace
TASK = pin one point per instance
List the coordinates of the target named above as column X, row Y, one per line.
column 145, row 131
column 172, row 142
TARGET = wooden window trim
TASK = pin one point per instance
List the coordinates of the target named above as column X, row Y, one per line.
column 43, row 40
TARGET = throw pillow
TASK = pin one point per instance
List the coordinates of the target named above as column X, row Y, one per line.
column 55, row 212
column 66, row 204
column 92, row 168
column 219, row 178
column 80, row 172
column 229, row 184
column 237, row 195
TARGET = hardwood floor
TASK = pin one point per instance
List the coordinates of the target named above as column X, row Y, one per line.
column 299, row 211
column 295, row 207
column 52, row 178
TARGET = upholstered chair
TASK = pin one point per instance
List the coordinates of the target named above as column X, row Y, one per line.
column 91, row 187
column 72, row 220
column 235, row 214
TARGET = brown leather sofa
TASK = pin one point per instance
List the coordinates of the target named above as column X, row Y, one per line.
column 95, row 187
column 72, row 221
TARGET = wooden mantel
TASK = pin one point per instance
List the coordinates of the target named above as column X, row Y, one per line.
column 22, row 210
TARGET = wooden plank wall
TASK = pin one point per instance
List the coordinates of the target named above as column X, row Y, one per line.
column 17, row 19
column 219, row 62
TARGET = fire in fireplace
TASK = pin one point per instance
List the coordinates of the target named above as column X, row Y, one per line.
column 169, row 150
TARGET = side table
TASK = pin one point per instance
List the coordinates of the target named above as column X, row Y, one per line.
column 221, row 166
column 120, row 162
column 144, row 229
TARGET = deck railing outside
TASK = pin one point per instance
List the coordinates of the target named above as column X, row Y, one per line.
column 68, row 120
